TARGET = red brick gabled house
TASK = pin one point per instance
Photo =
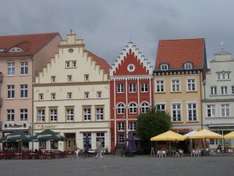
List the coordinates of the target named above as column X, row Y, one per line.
column 131, row 92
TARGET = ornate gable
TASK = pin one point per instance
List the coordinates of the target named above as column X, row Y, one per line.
column 131, row 62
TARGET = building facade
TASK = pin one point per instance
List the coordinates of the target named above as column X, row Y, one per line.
column 21, row 58
column 178, row 80
column 218, row 102
column 71, row 96
column 131, row 92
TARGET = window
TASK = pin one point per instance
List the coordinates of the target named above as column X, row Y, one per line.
column 175, row 85
column 23, row 90
column 132, row 87
column 159, row 86
column 99, row 113
column 224, row 75
column 86, row 94
column 70, row 113
column 53, row 96
column 161, row 107
column 144, row 107
column 120, row 138
column 87, row 112
column 23, row 114
column 120, row 108
column 120, row 88
column 70, row 64
column 191, row 85
column 99, row 94
column 131, row 67
column 10, row 115
column 87, row 138
column 100, row 136
column 24, row 68
column 213, row 90
column 176, row 112
column 11, row 68
column 232, row 89
column 132, row 126
column 120, row 126
column 188, row 66
column 40, row 114
column 132, row 108
column 210, row 110
column 192, row 111
column 224, row 90
column 225, row 110
column 69, row 95
column 40, row 96
column 69, row 77
column 144, row 87
column 53, row 78
column 86, row 77
column 164, row 67
column 53, row 114
column 10, row 91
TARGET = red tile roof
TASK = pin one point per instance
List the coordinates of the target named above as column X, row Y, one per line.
column 100, row 61
column 176, row 53
column 30, row 43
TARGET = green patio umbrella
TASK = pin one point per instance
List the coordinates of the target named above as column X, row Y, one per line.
column 48, row 135
column 17, row 137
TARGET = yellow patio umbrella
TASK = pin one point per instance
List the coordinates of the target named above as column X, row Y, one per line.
column 205, row 134
column 229, row 135
column 168, row 136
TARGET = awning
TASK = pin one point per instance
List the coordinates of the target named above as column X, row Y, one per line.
column 168, row 136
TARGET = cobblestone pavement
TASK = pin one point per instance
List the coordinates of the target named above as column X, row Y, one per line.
column 120, row 166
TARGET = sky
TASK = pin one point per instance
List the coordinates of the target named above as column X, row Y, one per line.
column 107, row 25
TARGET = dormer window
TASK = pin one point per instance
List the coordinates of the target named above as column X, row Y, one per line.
column 188, row 66
column 164, row 67
column 15, row 50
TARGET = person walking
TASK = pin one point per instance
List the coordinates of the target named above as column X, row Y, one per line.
column 99, row 149
column 77, row 151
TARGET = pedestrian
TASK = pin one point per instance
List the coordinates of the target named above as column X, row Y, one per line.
column 77, row 151
column 99, row 150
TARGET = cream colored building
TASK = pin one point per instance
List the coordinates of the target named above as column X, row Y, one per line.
column 71, row 96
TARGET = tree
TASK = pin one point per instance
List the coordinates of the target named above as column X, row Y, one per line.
column 150, row 124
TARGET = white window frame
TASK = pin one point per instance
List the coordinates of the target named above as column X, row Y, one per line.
column 11, row 68
column 191, row 110
column 160, row 86
column 145, row 107
column 24, row 68
column 225, row 110
column 160, row 107
column 132, row 87
column 191, row 85
column 132, row 108
column 213, row 90
column 23, row 90
column 23, row 114
column 188, row 66
column 99, row 112
column 70, row 113
column 87, row 113
column 178, row 112
column 175, row 85
column 210, row 110
column 132, row 125
column 164, row 67
column 144, row 87
column 121, row 126
column 10, row 115
column 120, row 88
column 10, row 91
column 40, row 114
column 224, row 90
column 120, row 108
column 53, row 114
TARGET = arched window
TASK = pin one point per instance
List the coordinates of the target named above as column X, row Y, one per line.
column 164, row 67
column 144, row 107
column 132, row 108
column 120, row 108
column 188, row 66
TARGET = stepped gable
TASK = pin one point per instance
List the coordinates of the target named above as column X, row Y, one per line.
column 24, row 45
column 131, row 55
column 177, row 52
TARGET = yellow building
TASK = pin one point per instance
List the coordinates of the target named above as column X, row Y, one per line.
column 178, row 81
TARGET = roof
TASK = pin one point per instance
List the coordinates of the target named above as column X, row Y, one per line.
column 99, row 61
column 28, row 44
column 176, row 53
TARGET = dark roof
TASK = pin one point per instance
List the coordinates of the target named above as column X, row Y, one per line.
column 176, row 53
column 29, row 43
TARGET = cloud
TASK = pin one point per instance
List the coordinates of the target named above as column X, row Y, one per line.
column 107, row 25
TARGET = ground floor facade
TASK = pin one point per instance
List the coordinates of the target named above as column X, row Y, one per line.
column 81, row 135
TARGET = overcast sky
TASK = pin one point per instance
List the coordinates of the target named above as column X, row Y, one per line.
column 107, row 25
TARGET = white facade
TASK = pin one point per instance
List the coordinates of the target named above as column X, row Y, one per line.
column 218, row 106
column 71, row 96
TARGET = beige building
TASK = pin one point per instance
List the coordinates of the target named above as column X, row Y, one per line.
column 21, row 58
column 71, row 96
column 178, row 80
